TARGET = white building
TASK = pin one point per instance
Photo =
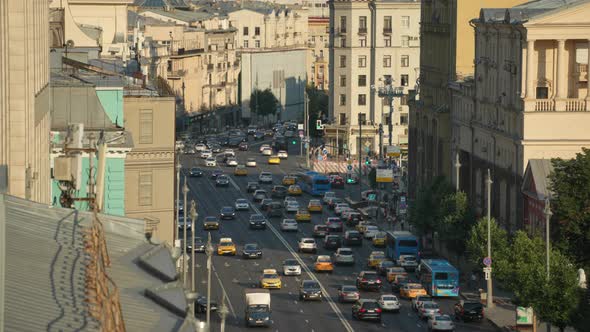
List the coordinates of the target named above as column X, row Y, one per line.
column 371, row 42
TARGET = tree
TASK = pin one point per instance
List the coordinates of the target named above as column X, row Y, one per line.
column 426, row 212
column 263, row 103
column 318, row 107
column 456, row 222
column 477, row 245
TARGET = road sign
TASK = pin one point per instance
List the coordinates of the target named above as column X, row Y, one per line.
column 487, row 271
column 349, row 167
column 487, row 261
column 392, row 151
column 384, row 175
column 325, row 152
column 301, row 134
column 300, row 126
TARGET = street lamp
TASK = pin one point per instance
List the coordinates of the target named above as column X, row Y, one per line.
column 209, row 252
column 185, row 191
column 457, row 169
column 194, row 216
column 178, row 168
column 223, row 311
column 489, row 296
column 390, row 92
column 548, row 214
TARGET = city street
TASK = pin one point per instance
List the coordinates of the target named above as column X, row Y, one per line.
column 233, row 274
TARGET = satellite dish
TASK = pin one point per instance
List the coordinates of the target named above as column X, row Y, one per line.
column 70, row 43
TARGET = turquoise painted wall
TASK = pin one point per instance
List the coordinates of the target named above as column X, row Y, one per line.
column 112, row 102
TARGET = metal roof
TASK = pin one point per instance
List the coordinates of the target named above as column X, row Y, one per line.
column 538, row 171
column 524, row 12
column 183, row 15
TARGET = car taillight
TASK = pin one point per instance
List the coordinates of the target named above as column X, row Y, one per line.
column 378, row 281
column 439, row 311
column 362, row 310
column 423, row 310
column 378, row 310
column 363, row 280
column 434, row 323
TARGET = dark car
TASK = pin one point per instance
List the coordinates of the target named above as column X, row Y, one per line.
column 353, row 219
column 235, row 141
column 320, row 230
column 337, row 181
column 366, row 309
column 265, row 203
column 259, row 135
column 334, row 201
column 222, row 181
column 199, row 245
column 216, row 173
column 274, row 209
column 334, row 225
column 201, row 305
column 257, row 221
column 310, row 290
column 195, row 172
column 278, row 192
column 251, row 250
column 468, row 311
column 369, row 280
column 332, row 242
column 243, row 146
column 215, row 148
column 227, row 212
column 252, row 187
column 353, row 238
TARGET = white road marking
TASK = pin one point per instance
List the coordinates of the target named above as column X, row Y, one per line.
column 307, row 321
column 231, row 307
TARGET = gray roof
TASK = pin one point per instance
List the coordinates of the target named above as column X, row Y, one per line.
column 183, row 15
column 226, row 7
column 537, row 172
column 133, row 18
column 161, row 3
column 526, row 11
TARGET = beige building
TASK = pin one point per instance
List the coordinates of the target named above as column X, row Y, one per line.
column 372, row 42
column 528, row 99
column 447, row 41
column 24, row 99
column 318, row 42
column 149, row 167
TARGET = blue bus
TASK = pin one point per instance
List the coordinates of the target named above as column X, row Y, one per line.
column 313, row 183
column 439, row 278
column 401, row 243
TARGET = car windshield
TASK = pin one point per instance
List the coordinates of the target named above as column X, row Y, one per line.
column 309, row 241
column 389, row 298
column 251, row 159
column 291, row 262
column 410, row 258
column 256, row 217
column 370, row 305
column 270, row 276
column 349, row 289
column 346, row 252
column 251, row 246
column 225, row 243
column 443, row 318
column 310, row 284
column 241, row 201
column 370, row 276
column 227, row 210
column 414, row 286
column 324, row 259
column 210, row 218
column 289, row 221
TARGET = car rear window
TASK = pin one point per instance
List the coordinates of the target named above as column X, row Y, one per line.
column 443, row 318
column 349, row 289
column 389, row 298
column 308, row 241
column 346, row 252
column 370, row 276
column 471, row 306
column 370, row 305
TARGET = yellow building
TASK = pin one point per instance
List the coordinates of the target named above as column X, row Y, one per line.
column 318, row 43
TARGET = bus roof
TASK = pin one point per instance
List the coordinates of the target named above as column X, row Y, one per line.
column 438, row 265
column 402, row 234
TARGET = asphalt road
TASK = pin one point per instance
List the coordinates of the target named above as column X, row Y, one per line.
column 232, row 274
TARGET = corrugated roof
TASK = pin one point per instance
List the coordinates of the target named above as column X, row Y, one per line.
column 183, row 15
column 538, row 171
column 526, row 11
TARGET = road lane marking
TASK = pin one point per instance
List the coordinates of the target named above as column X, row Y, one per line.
column 231, row 307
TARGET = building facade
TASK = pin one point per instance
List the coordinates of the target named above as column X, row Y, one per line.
column 528, row 99
column 318, row 43
column 372, row 43
column 24, row 99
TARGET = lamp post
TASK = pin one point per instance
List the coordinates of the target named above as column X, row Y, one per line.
column 209, row 252
column 223, row 311
column 194, row 216
column 178, row 167
column 457, row 169
column 306, row 108
column 548, row 214
column 489, row 296
column 390, row 92
column 185, row 222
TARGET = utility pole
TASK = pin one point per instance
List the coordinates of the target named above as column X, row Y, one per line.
column 194, row 216
column 306, row 108
column 457, row 169
column 223, row 311
column 209, row 252
column 178, row 167
column 184, row 254
column 489, row 296
column 381, row 141
column 360, row 153
column 390, row 92
column 548, row 215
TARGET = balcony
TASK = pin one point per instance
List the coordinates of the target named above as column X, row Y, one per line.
column 183, row 48
column 581, row 73
column 556, row 105
column 362, row 31
column 175, row 74
column 387, row 31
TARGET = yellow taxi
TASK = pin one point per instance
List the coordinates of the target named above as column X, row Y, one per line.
column 226, row 246
column 324, row 264
column 314, row 205
column 303, row 215
column 393, row 273
column 274, row 160
column 270, row 279
column 379, row 239
column 411, row 290
column 362, row 226
column 375, row 258
column 241, row 171
column 288, row 180
column 294, row 190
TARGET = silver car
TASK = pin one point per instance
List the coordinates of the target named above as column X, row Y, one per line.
column 291, row 267
column 440, row 323
column 307, row 244
column 265, row 177
column 389, row 302
column 289, row 225
column 292, row 207
column 231, row 162
column 327, row 196
column 429, row 309
column 343, row 256
column 348, row 293
column 242, row 204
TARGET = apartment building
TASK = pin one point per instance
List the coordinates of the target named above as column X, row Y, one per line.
column 447, row 41
column 24, row 99
column 371, row 43
column 318, row 43
column 528, row 99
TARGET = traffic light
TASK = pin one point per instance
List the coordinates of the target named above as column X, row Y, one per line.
column 293, row 142
column 367, row 161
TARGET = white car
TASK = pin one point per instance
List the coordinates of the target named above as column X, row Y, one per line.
column 282, row 154
column 389, row 302
column 231, row 162
column 200, row 147
column 229, row 152
column 251, row 162
column 440, row 323
column 291, row 267
column 327, row 196
column 206, row 154
column 429, row 309
column 292, row 207
column 267, row 152
column 289, row 199
column 343, row 256
column 265, row 177
column 307, row 244
column 263, row 146
column 242, row 204
column 408, row 262
column 289, row 225
column 340, row 207
column 419, row 300
column 210, row 162
column 371, row 231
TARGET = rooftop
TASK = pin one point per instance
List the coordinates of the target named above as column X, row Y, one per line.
column 526, row 11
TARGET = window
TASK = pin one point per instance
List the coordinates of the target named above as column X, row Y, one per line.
column 245, row 44
column 343, row 24
column 405, row 61
column 403, row 100
column 362, row 24
column 342, row 80
column 363, row 42
column 146, row 126
column 362, row 80
column 145, row 188
column 321, row 53
column 387, row 118
column 387, row 61
column 362, row 61
column 342, row 42
column 405, row 21
column 387, row 41
column 363, row 118
column 342, row 119
column 403, row 119
column 342, row 100
column 362, row 99
column 542, row 92
column 387, row 24
column 405, row 41
column 245, row 31
column 404, row 80
column 387, row 79
column 257, row 43
column 343, row 61
column 256, row 31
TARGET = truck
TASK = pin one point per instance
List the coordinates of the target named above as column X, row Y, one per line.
column 257, row 312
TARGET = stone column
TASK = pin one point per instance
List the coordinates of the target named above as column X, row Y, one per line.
column 530, row 87
column 588, row 75
column 561, row 70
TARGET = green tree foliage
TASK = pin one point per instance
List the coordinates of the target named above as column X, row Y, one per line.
column 372, row 178
column 263, row 102
column 425, row 213
column 456, row 221
column 570, row 183
column 318, row 107
column 477, row 245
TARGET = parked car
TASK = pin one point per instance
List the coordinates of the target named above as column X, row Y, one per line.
column 469, row 311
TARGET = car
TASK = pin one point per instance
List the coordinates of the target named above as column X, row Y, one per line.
column 375, row 258
column 362, row 226
column 369, row 280
column 408, row 262
column 429, row 309
column 366, row 309
column 269, row 132
column 226, row 246
column 289, row 133
column 383, row 266
column 320, row 230
column 292, row 207
column 468, row 311
column 291, row 267
column 379, row 239
column 201, row 305
column 327, row 196
column 389, row 302
column 251, row 250
column 307, row 244
column 270, row 279
column 252, row 187
column 288, row 180
column 233, row 162
column 295, row 190
column 278, row 192
column 267, row 152
column 348, row 293
column 274, row 209
column 257, row 221
column 210, row 222
column 265, row 177
column 195, row 172
column 410, row 290
column 210, row 162
column 353, row 219
column 371, row 231
column 344, row 256
column 352, row 238
column 340, row 207
column 265, row 203
column 222, row 181
column 315, row 205
column 263, row 147
column 333, row 201
column 241, row 171
column 243, row 146
column 394, row 271
column 199, row 245
column 229, row 153
column 310, row 290
column 419, row 300
column 242, row 204
column 282, row 154
column 303, row 215
column 227, row 212
column 336, row 181
column 250, row 162
column 259, row 195
column 216, row 173
column 289, row 199
column 259, row 135
column 206, row 154
column 189, row 224
column 398, row 282
column 200, row 147
column 251, row 130
column 289, row 225
column 332, row 242
column 215, row 148
column 334, row 225
column 440, row 323
column 274, row 160
column 346, row 213
column 323, row 263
